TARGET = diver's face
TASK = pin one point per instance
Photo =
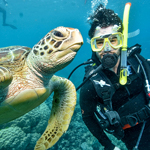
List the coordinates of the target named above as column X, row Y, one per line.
column 107, row 48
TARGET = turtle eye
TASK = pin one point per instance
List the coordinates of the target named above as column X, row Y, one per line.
column 58, row 33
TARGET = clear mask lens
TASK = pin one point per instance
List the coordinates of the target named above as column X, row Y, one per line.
column 114, row 40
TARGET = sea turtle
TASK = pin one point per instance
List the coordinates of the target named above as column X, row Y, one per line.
column 27, row 79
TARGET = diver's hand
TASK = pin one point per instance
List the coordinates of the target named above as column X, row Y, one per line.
column 116, row 148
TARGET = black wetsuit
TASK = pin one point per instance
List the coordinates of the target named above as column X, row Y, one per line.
column 126, row 99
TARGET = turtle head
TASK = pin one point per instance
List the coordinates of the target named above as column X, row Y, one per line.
column 55, row 50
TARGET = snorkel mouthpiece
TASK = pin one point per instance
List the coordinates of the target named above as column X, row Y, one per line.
column 109, row 60
column 123, row 68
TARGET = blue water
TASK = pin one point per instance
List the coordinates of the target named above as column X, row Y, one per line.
column 35, row 18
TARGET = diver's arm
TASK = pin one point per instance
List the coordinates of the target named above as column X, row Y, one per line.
column 88, row 101
column 94, row 128
column 3, row 11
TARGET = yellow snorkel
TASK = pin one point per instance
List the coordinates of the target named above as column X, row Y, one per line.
column 123, row 68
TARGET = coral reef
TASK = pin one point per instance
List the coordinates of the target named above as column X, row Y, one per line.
column 22, row 133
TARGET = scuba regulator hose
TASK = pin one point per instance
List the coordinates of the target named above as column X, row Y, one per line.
column 90, row 61
column 95, row 71
column 140, row 136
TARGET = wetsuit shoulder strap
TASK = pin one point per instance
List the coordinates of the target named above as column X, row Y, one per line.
column 88, row 70
column 104, row 88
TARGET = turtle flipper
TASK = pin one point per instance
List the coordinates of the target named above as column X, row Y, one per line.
column 64, row 102
column 5, row 77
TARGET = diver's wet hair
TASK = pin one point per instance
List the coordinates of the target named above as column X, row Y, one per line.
column 103, row 17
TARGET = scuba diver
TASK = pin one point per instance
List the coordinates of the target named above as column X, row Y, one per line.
column 3, row 11
column 107, row 105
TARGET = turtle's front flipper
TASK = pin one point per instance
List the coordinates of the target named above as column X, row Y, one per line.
column 5, row 77
column 64, row 102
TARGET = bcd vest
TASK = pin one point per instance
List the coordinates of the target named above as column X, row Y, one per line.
column 129, row 101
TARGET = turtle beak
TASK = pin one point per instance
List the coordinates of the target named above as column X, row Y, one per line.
column 78, row 41
column 76, row 47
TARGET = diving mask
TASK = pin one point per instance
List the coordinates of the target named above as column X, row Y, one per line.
column 115, row 40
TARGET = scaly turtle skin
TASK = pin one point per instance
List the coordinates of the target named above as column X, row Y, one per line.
column 27, row 79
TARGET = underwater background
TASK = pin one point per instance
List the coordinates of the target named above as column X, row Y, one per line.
column 33, row 19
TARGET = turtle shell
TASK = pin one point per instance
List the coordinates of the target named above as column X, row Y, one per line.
column 13, row 57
